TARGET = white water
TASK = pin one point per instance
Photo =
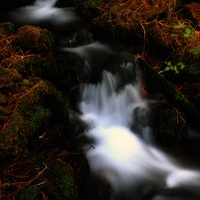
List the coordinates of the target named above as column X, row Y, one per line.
column 120, row 155
column 43, row 11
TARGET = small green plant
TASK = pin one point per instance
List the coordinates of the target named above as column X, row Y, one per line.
column 197, row 50
column 179, row 66
column 179, row 25
column 188, row 31
column 92, row 4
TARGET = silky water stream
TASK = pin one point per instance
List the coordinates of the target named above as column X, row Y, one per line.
column 123, row 160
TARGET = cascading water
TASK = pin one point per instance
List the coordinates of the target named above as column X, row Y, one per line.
column 121, row 157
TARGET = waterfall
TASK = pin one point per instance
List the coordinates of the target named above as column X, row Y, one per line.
column 122, row 158
column 120, row 155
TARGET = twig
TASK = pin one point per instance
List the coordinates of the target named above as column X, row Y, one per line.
column 89, row 148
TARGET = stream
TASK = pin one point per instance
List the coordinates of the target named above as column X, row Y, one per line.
column 125, row 164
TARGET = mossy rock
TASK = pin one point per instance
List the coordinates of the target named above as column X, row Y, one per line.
column 155, row 83
column 63, row 180
column 31, row 193
column 27, row 116
column 8, row 76
column 33, row 38
column 38, row 66
column 31, row 111
column 6, row 29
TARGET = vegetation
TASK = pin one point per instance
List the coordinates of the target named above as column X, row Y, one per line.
column 34, row 115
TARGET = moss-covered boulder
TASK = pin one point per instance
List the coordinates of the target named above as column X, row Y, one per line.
column 33, row 38
column 25, row 118
column 29, row 113
column 42, row 66
column 31, row 193
column 155, row 83
column 6, row 29
column 62, row 179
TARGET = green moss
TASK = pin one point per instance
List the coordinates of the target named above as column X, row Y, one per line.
column 91, row 4
column 27, row 117
column 27, row 102
column 37, row 116
column 38, row 104
column 40, row 66
column 14, row 136
column 8, row 27
column 31, row 193
column 192, row 69
column 65, row 181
